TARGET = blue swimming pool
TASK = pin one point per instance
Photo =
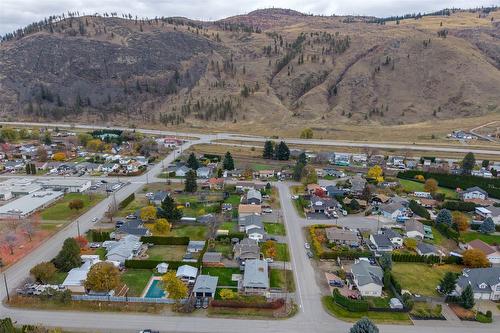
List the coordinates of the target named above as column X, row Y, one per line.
column 155, row 290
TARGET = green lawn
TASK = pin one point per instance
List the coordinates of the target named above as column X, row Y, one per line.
column 299, row 207
column 275, row 229
column 260, row 167
column 60, row 210
column 421, row 278
column 224, row 274
column 438, row 237
column 225, row 249
column 277, row 279
column 282, row 253
column 471, row 235
column 58, row 278
column 413, row 186
column 234, row 199
column 378, row 302
column 194, row 232
column 167, row 252
column 132, row 207
column 227, row 226
column 101, row 252
column 378, row 317
column 136, row 280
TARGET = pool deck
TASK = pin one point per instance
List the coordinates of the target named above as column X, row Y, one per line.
column 150, row 282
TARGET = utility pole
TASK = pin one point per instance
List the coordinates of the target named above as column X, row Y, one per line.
column 4, row 280
column 78, row 227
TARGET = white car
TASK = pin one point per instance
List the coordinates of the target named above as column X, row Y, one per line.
column 344, row 212
column 307, row 246
column 295, row 197
column 94, row 219
column 269, row 260
column 267, row 210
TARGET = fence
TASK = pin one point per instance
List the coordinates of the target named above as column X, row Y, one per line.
column 124, row 299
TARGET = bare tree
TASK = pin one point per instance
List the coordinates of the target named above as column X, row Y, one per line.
column 10, row 240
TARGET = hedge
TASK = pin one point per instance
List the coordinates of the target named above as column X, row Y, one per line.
column 239, row 235
column 349, row 304
column 448, row 232
column 492, row 186
column 276, row 304
column 161, row 240
column 459, row 205
column 406, row 257
column 98, row 236
column 343, row 254
column 419, row 210
column 126, row 201
column 151, row 264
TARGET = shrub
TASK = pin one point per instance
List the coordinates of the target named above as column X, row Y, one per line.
column 98, row 236
column 459, row 205
column 126, row 201
column 419, row 209
column 241, row 303
column 43, row 272
column 349, row 304
column 239, row 235
column 484, row 318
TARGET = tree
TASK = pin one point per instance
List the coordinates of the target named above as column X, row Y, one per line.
column 169, row 210
column 467, row 297
column 228, row 163
column 75, row 204
column 475, row 258
column 148, row 213
column 69, row 256
column 364, row 325
column 43, row 272
column 485, row 163
column 367, row 193
column 468, row 163
column 419, row 178
column 11, row 239
column 298, row 169
column 175, row 288
column 309, row 175
column 410, row 243
column 226, row 294
column 376, row 173
column 282, row 152
column 447, row 283
column 354, row 205
column 444, row 218
column 488, row 226
column 460, row 221
column 192, row 162
column 431, row 185
column 269, row 249
column 190, row 185
column 41, row 154
column 84, row 138
column 268, row 152
column 386, row 261
column 60, row 156
column 162, row 226
column 102, row 277
column 302, row 158
column 82, row 241
column 307, row 133
column 96, row 145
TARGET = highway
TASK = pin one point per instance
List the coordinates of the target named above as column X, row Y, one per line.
column 311, row 316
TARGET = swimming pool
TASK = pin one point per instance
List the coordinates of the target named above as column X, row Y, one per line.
column 155, row 290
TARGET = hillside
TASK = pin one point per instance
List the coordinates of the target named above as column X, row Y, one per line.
column 260, row 70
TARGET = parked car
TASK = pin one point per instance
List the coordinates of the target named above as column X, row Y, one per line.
column 130, row 217
column 267, row 210
column 309, row 254
column 269, row 260
column 94, row 219
column 336, row 283
column 307, row 246
column 205, row 303
column 95, row 245
column 149, row 331
column 295, row 197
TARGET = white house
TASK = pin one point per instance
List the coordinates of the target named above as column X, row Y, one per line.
column 490, row 211
column 76, row 277
column 182, row 171
column 485, row 282
column 414, row 229
column 368, row 278
column 394, row 210
column 474, row 193
column 395, row 238
column 187, row 273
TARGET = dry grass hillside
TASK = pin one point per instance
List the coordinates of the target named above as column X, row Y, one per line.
column 271, row 71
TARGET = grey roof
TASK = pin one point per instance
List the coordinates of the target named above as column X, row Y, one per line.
column 254, row 194
column 322, row 203
column 256, row 274
column 251, row 220
column 205, row 284
column 365, row 273
column 414, row 225
column 425, row 248
column 392, row 207
column 382, row 241
column 475, row 188
column 337, row 234
column 495, row 211
column 160, row 195
column 247, row 249
column 195, row 245
column 212, row 257
column 391, row 234
column 133, row 227
column 476, row 277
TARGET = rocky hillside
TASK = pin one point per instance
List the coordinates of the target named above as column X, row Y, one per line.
column 264, row 69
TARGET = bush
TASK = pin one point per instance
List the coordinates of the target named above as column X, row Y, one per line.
column 426, row 312
column 151, row 264
column 419, row 210
column 349, row 304
column 98, row 236
column 160, row 240
column 43, row 272
column 126, row 201
column 459, row 205
column 239, row 235
column 484, row 318
column 240, row 303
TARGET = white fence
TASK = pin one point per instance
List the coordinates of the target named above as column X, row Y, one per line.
column 124, row 299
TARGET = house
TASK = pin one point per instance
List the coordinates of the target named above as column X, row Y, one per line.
column 358, row 184
column 491, row 252
column 212, row 259
column 203, row 172
column 333, row 172
column 428, row 203
column 381, row 243
column 205, row 286
column 124, row 249
column 131, row 227
column 342, row 159
column 206, row 219
column 244, row 210
column 395, row 238
column 257, row 234
column 334, row 191
column 312, row 188
column 187, row 273
column 181, row 171
column 216, row 183
column 255, row 277
column 489, row 211
column 195, row 246
column 485, row 282
column 158, row 197
column 162, row 268
column 265, row 174
column 342, row 237
column 414, row 229
column 426, row 195
column 322, row 205
column 368, row 278
column 76, row 277
column 380, row 199
column 473, row 193
column 425, row 249
column 110, row 167
column 395, row 211
column 252, row 225
column 246, row 249
column 253, row 197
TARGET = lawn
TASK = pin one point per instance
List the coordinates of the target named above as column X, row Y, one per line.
column 132, row 207
column 224, row 274
column 282, row 253
column 136, row 280
column 101, row 252
column 421, row 278
column 167, row 252
column 233, row 199
column 299, row 205
column 58, row 278
column 378, row 317
column 260, row 167
column 225, row 249
column 227, row 226
column 378, row 302
column 275, row 229
column 412, row 186
column 471, row 235
column 277, row 279
column 194, row 232
column 60, row 210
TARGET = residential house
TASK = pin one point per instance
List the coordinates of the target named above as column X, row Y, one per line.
column 474, row 193
column 333, row 172
column 482, row 173
column 358, row 184
column 381, row 243
column 313, row 188
column 265, row 174
column 216, row 183
column 252, row 225
column 255, row 277
column 75, row 280
column 133, row 227
column 212, row 259
column 110, row 167
column 158, row 197
column 245, row 210
column 425, row 249
column 334, row 191
column 342, row 159
column 414, row 229
column 205, row 286
column 181, row 171
column 395, row 238
column 395, row 210
column 359, row 158
column 491, row 252
column 124, row 249
column 253, row 197
column 490, row 211
column 380, row 199
column 322, row 205
column 428, row 203
column 342, row 236
column 246, row 249
column 203, row 172
column 485, row 282
column 195, row 246
column 368, row 278
column 187, row 273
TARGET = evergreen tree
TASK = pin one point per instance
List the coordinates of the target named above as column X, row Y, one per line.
column 69, row 256
column 447, row 284
column 169, row 210
column 268, row 152
column 364, row 325
column 302, row 158
column 298, row 171
column 468, row 163
column 444, row 217
column 488, row 226
column 467, row 297
column 228, row 163
column 282, row 153
column 386, row 261
column 190, row 185
column 33, row 168
column 28, row 169
column 192, row 162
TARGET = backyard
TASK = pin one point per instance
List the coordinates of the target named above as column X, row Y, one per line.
column 60, row 210
column 167, row 252
column 275, row 229
column 136, row 280
column 413, row 186
column 279, row 278
column 471, row 235
column 282, row 253
column 194, row 232
column 224, row 274
column 421, row 278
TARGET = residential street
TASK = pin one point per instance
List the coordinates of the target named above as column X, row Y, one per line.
column 311, row 316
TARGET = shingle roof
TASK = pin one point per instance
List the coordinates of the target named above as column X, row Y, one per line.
column 365, row 273
column 382, row 241
column 478, row 276
column 475, row 188
column 482, row 246
column 256, row 274
column 205, row 283
column 425, row 248
column 414, row 225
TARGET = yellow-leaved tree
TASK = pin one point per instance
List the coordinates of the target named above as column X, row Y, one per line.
column 175, row 288
column 376, row 173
